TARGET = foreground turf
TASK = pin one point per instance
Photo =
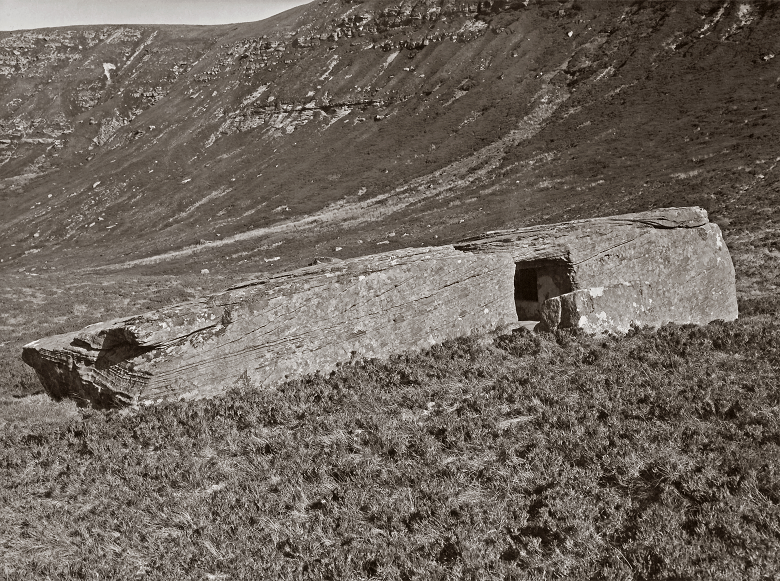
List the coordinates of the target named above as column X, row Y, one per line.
column 552, row 456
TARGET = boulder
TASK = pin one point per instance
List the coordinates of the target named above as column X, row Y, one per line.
column 264, row 331
column 600, row 275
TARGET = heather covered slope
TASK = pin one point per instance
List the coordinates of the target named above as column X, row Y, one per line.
column 340, row 125
column 528, row 457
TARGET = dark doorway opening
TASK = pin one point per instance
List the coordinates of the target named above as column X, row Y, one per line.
column 526, row 294
column 535, row 285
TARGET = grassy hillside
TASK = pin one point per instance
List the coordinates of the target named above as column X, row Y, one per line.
column 329, row 129
column 343, row 125
column 521, row 456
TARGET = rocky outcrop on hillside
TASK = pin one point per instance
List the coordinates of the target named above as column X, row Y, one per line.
column 337, row 124
column 112, row 74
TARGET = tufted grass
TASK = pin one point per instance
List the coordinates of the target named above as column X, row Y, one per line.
column 522, row 456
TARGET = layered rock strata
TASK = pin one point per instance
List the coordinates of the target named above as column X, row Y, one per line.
column 600, row 275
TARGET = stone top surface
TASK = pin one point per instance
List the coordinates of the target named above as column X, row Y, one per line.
column 176, row 321
column 580, row 240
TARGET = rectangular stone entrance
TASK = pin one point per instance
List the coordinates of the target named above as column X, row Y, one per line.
column 536, row 284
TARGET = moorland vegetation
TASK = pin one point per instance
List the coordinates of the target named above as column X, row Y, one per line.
column 520, row 456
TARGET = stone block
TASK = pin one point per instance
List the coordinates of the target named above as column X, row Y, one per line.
column 265, row 331
column 602, row 274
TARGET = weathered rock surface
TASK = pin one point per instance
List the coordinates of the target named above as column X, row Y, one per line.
column 605, row 274
column 288, row 325
column 580, row 241
column 601, row 275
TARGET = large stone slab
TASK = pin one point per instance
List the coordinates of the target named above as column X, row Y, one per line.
column 601, row 275
column 264, row 331
column 617, row 308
